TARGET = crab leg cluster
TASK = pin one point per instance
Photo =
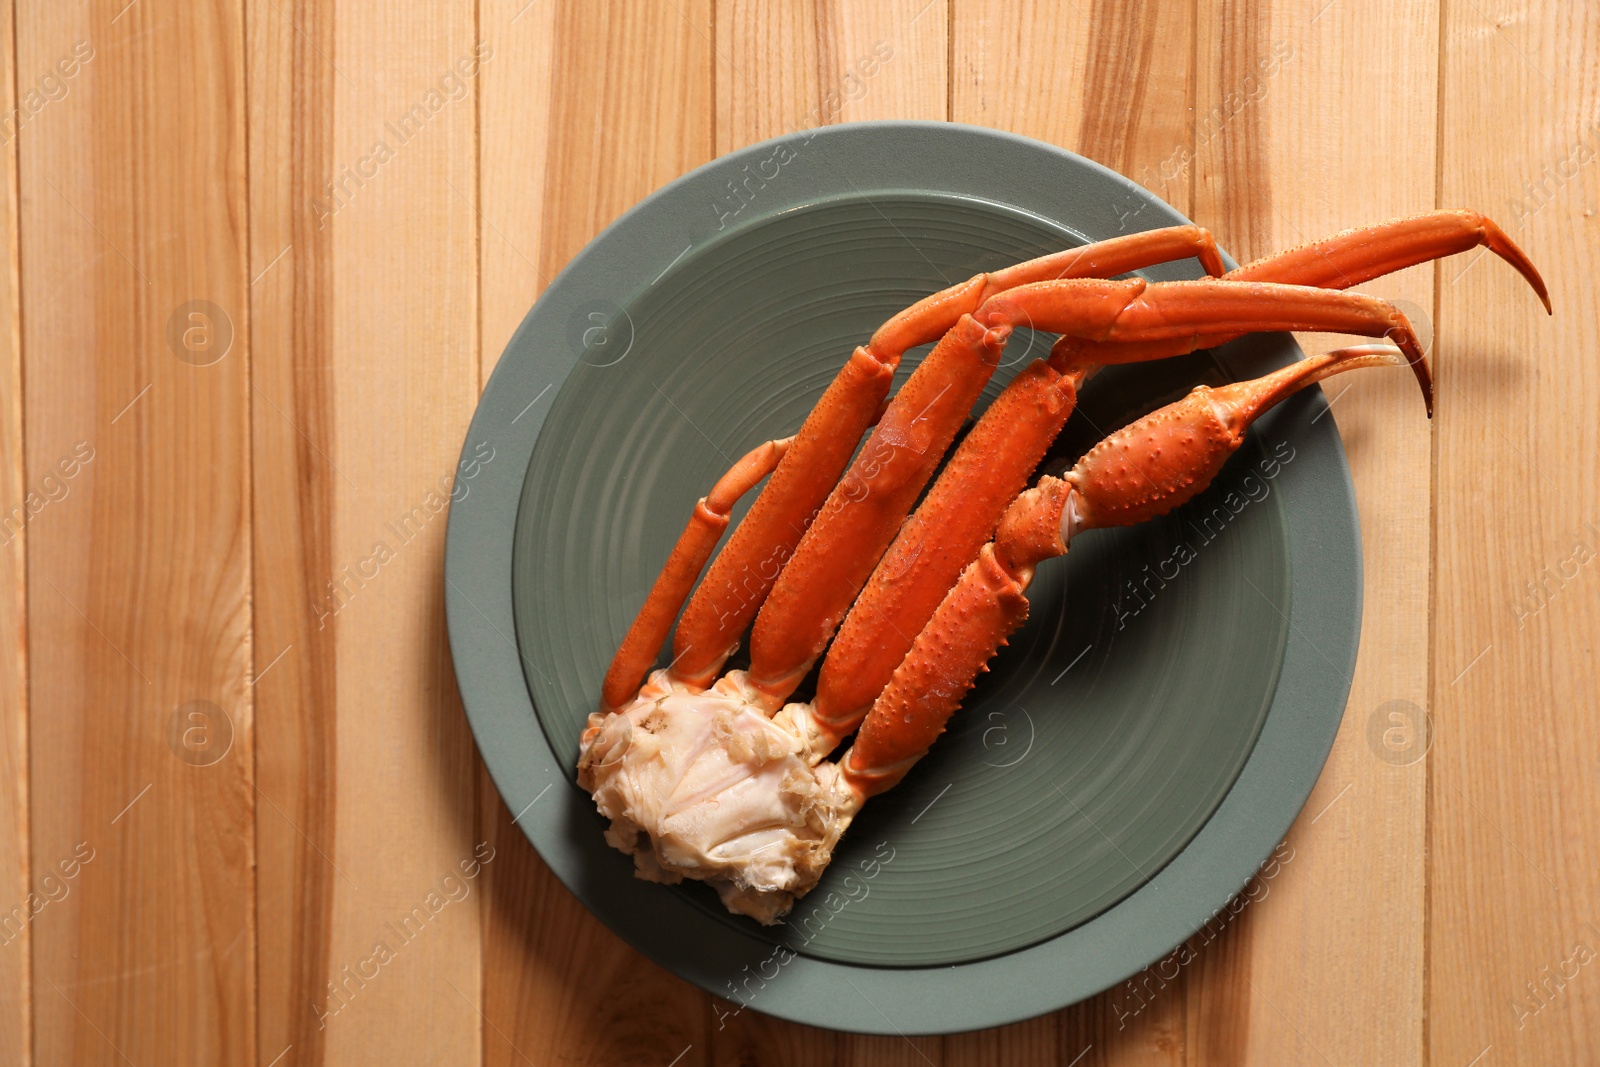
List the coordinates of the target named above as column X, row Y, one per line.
column 1138, row 473
column 743, row 573
column 719, row 779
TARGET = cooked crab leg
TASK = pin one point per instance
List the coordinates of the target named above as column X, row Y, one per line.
column 1350, row 258
column 996, row 458
column 1358, row 255
column 1143, row 470
column 838, row 553
column 743, row 573
column 643, row 641
column 929, row 552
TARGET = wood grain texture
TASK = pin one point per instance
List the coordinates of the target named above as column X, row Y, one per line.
column 16, row 1029
column 243, row 524
column 404, row 940
column 593, row 107
column 133, row 202
column 1111, row 81
column 515, row 96
column 1305, row 979
column 819, row 62
column 291, row 88
column 1514, row 925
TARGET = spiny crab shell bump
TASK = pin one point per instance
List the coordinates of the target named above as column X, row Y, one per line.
column 705, row 785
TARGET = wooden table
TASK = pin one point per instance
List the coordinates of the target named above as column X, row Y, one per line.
column 261, row 257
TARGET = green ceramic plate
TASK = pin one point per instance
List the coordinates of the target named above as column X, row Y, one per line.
column 1133, row 756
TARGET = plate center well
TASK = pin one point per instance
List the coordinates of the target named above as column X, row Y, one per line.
column 1106, row 733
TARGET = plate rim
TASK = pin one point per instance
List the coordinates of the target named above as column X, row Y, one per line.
column 1248, row 825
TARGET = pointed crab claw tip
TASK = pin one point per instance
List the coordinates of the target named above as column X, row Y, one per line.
column 1404, row 337
column 1501, row 244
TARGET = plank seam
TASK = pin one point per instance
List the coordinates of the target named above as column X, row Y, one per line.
column 253, row 1024
column 1426, row 1057
column 24, row 600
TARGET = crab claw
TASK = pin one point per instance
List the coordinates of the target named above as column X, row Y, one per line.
column 1163, row 460
column 1366, row 252
column 1143, row 470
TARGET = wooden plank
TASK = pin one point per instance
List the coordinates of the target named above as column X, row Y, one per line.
column 1033, row 1041
column 756, row 98
column 848, row 31
column 296, row 489
column 1107, row 79
column 403, row 961
column 746, row 1036
column 1111, row 81
column 1329, row 962
column 592, row 107
column 515, row 114
column 780, row 69
column 1513, row 929
column 136, row 365
column 16, row 1030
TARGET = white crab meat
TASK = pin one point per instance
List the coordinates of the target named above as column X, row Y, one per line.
column 705, row 785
